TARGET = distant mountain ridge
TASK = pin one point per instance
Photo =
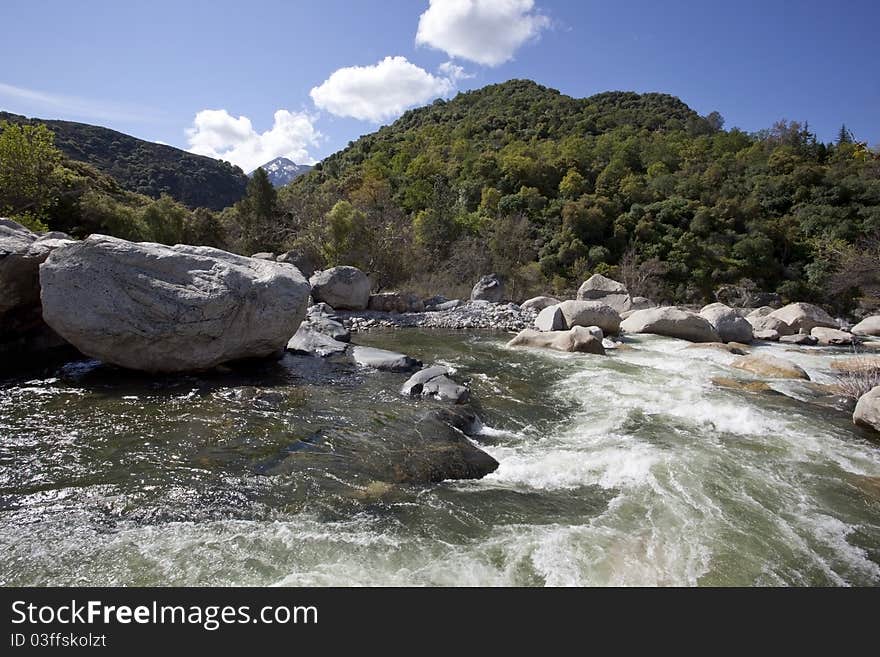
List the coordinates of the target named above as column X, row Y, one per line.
column 282, row 170
column 146, row 167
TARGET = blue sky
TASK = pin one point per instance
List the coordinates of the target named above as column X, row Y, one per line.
column 250, row 81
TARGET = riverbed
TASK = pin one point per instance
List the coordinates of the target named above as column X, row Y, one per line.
column 629, row 469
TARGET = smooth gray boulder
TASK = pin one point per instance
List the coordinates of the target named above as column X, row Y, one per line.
column 729, row 324
column 488, row 288
column 445, row 389
column 867, row 411
column 415, row 383
column 769, row 323
column 578, row 339
column 671, row 322
column 307, row 340
column 539, row 303
column 640, row 303
column 768, row 335
column 329, row 327
column 802, row 317
column 160, row 308
column 835, row 337
column 381, row 359
column 550, row 319
column 343, row 288
column 21, row 253
column 598, row 286
column 868, row 326
column 264, row 255
column 590, row 313
column 601, row 288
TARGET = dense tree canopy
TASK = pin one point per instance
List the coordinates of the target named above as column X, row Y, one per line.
column 547, row 188
column 539, row 187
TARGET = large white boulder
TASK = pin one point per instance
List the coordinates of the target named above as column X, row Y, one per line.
column 163, row 308
column 868, row 326
column 590, row 313
column 342, row 288
column 830, row 336
column 598, row 286
column 601, row 288
column 731, row 326
column 797, row 317
column 578, row 339
column 867, row 411
column 539, row 303
column 550, row 319
column 671, row 322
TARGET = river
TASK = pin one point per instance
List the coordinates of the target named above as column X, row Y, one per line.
column 630, row 469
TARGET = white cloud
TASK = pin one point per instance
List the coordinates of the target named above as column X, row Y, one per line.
column 379, row 92
column 216, row 133
column 454, row 72
column 483, row 31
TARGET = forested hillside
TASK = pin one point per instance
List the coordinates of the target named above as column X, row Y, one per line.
column 145, row 167
column 546, row 189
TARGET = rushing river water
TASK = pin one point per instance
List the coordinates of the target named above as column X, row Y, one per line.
column 629, row 469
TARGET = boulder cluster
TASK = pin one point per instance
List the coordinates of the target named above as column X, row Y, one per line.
column 159, row 308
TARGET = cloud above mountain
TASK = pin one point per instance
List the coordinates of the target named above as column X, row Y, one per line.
column 487, row 32
column 380, row 91
column 216, row 133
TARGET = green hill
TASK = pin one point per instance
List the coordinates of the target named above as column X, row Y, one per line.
column 545, row 189
column 145, row 167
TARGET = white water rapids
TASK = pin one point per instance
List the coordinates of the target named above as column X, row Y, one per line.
column 632, row 469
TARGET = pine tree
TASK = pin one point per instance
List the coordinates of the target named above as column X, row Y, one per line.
column 844, row 136
column 256, row 213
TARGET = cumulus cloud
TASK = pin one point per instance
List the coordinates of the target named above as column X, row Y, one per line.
column 483, row 31
column 453, row 72
column 379, row 92
column 218, row 134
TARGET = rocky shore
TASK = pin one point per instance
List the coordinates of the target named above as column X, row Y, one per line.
column 170, row 309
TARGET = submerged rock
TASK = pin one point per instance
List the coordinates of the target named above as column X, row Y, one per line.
column 771, row 367
column 577, row 339
column 801, row 339
column 671, row 322
column 380, row 359
column 159, row 308
column 343, row 288
column 444, row 452
column 731, row 348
